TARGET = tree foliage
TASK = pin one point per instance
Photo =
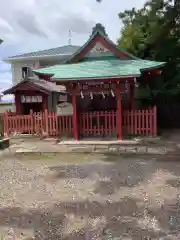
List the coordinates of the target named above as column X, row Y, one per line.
column 153, row 32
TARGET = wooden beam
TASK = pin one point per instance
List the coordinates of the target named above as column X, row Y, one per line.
column 118, row 114
column 75, row 120
column 18, row 103
column 105, row 80
column 97, row 90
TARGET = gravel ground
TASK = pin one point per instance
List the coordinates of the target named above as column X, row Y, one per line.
column 91, row 196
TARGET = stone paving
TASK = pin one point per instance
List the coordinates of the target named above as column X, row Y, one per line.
column 25, row 145
column 90, row 196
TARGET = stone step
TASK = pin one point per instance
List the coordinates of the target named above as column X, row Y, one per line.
column 105, row 147
column 140, row 150
column 137, row 149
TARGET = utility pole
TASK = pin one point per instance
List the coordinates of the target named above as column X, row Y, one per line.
column 69, row 38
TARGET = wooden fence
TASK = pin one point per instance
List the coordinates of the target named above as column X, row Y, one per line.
column 90, row 124
column 98, row 123
column 41, row 124
column 140, row 122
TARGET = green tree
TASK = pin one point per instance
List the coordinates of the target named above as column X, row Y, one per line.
column 153, row 32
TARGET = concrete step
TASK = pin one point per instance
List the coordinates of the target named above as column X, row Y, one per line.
column 105, row 147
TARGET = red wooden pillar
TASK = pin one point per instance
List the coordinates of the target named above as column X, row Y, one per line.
column 118, row 114
column 75, row 123
column 132, row 96
column 18, row 103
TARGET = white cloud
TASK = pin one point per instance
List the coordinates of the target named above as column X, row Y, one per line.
column 23, row 22
column 5, row 79
column 4, row 26
column 4, row 67
column 32, row 25
column 8, row 98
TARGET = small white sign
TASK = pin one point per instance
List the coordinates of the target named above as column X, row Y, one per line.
column 39, row 98
column 64, row 109
column 31, row 99
column 34, row 99
column 28, row 99
column 23, row 99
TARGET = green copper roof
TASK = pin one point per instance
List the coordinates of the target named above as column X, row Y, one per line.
column 99, row 69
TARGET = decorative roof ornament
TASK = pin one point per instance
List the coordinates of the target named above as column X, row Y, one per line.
column 99, row 28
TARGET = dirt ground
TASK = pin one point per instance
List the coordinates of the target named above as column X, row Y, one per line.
column 89, row 196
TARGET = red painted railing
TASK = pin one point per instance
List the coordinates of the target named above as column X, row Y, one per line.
column 47, row 124
column 99, row 123
column 90, row 124
column 140, row 122
column 18, row 124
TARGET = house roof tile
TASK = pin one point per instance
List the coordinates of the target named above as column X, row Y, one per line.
column 40, row 84
column 69, row 49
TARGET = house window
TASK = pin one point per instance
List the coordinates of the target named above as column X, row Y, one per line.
column 27, row 72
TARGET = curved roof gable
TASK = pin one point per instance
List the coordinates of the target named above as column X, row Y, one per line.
column 100, row 36
column 105, row 61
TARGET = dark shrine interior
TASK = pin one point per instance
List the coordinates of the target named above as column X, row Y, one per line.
column 36, row 107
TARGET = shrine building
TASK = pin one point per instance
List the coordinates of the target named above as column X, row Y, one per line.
column 98, row 81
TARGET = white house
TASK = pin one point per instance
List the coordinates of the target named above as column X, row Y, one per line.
column 43, row 58
column 24, row 63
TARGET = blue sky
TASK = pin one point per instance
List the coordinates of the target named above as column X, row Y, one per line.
column 32, row 25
